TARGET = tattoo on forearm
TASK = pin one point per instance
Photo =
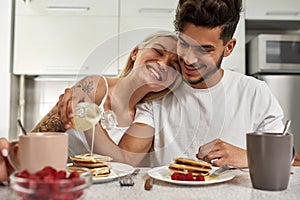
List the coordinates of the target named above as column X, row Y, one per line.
column 50, row 123
column 86, row 86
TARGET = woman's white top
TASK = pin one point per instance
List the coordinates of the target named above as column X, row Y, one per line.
column 77, row 141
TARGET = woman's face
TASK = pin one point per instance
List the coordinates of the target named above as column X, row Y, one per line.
column 157, row 63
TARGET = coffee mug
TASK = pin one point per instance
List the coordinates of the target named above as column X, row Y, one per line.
column 270, row 156
column 34, row 151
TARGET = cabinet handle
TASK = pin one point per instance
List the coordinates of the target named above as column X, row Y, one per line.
column 68, row 8
column 156, row 10
column 282, row 12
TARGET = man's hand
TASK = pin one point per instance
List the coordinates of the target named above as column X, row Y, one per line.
column 222, row 153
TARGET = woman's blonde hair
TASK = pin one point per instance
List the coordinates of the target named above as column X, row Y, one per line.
column 130, row 63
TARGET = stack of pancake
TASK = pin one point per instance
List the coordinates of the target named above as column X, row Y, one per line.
column 96, row 163
column 186, row 165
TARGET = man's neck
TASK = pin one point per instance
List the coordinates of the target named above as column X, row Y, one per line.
column 210, row 81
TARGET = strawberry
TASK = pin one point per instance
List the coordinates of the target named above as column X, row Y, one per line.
column 188, row 177
column 175, row 176
column 200, row 177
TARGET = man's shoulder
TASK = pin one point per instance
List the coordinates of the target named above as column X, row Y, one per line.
column 241, row 79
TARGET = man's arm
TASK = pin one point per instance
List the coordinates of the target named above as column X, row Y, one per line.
column 297, row 160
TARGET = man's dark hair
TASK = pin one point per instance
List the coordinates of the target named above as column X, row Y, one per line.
column 209, row 14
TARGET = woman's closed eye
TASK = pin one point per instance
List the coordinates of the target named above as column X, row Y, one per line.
column 159, row 51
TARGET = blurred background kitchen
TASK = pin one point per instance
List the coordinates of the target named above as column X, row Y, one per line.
column 47, row 45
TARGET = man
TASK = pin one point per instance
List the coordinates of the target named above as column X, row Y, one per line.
column 213, row 112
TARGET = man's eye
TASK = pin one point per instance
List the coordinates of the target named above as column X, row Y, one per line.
column 203, row 50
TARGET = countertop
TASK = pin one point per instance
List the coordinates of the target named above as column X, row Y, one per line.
column 238, row 188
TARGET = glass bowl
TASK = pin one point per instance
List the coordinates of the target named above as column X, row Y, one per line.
column 55, row 185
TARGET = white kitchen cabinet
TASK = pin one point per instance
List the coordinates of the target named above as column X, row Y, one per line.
column 64, row 37
column 272, row 10
column 139, row 19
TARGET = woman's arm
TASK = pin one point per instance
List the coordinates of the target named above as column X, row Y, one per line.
column 50, row 123
column 58, row 116
column 133, row 147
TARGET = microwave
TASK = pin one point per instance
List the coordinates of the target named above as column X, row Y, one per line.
column 269, row 53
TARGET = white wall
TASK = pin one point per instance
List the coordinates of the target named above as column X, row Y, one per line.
column 5, row 30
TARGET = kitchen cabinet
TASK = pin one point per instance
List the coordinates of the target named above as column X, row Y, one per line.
column 272, row 10
column 81, row 37
column 58, row 37
column 139, row 19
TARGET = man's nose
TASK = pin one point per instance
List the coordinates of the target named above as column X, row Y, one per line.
column 190, row 57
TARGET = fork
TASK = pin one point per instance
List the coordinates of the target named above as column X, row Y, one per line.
column 127, row 180
column 216, row 173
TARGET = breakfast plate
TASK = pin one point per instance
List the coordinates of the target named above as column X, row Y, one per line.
column 164, row 174
column 117, row 170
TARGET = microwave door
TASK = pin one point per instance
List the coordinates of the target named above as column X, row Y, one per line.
column 286, row 88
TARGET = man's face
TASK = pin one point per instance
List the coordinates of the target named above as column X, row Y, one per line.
column 201, row 51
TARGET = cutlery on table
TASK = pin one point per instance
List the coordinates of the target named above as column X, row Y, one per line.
column 217, row 173
column 127, row 180
column 148, row 183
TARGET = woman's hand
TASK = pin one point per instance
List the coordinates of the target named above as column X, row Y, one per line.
column 68, row 102
column 5, row 167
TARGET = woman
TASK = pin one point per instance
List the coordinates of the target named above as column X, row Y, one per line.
column 150, row 73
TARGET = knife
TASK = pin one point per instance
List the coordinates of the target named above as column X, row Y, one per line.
column 148, row 183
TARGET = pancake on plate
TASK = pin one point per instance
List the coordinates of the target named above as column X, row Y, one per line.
column 96, row 163
column 186, row 165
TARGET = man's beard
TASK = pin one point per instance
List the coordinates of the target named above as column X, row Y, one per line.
column 208, row 74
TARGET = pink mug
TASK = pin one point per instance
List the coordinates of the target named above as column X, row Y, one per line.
column 34, row 151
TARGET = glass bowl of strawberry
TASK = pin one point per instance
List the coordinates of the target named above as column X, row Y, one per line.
column 49, row 183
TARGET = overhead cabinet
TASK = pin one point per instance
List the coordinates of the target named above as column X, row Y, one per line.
column 64, row 37
column 81, row 37
column 272, row 10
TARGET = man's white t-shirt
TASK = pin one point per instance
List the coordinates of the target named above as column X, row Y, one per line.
column 188, row 118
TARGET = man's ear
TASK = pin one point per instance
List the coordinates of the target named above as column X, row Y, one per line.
column 229, row 47
column 134, row 53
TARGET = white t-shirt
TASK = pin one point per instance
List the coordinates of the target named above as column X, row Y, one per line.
column 188, row 118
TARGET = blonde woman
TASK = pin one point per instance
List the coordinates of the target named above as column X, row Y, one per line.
column 150, row 73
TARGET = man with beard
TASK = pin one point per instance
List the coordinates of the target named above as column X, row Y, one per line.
column 214, row 109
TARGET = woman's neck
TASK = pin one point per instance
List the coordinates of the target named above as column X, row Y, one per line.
column 124, row 94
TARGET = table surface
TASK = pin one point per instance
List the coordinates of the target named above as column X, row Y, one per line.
column 238, row 188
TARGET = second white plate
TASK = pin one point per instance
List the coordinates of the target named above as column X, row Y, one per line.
column 164, row 174
column 117, row 170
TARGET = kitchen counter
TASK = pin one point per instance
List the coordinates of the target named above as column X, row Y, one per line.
column 238, row 188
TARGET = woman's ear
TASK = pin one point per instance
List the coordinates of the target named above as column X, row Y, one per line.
column 229, row 47
column 134, row 53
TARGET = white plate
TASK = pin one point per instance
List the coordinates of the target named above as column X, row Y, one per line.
column 164, row 174
column 117, row 170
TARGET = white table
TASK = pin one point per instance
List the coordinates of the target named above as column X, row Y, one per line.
column 238, row 188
